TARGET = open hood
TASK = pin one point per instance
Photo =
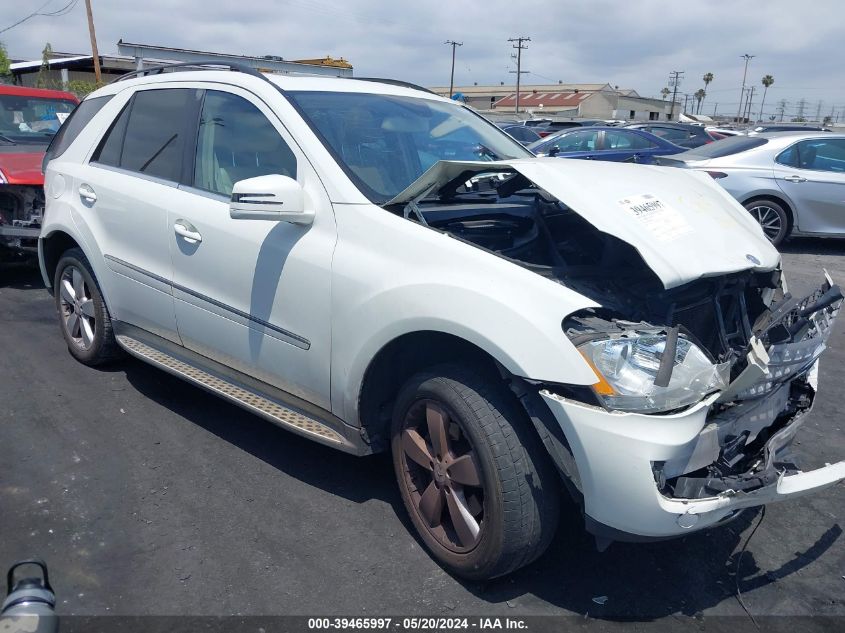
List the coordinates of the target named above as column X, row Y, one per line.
column 684, row 225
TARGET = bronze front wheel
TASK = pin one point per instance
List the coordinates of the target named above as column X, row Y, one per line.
column 441, row 475
column 477, row 483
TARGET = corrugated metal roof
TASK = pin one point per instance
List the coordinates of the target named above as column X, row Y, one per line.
column 52, row 62
column 557, row 99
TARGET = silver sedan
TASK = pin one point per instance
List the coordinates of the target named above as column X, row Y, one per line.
column 793, row 183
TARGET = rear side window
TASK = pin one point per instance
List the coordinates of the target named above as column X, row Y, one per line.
column 626, row 140
column 669, row 133
column 727, row 147
column 72, row 126
column 149, row 135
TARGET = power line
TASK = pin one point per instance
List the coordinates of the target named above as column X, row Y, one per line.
column 519, row 72
column 52, row 14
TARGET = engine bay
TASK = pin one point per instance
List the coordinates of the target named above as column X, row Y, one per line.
column 511, row 218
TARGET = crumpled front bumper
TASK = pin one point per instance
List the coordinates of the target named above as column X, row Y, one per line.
column 657, row 476
column 616, row 452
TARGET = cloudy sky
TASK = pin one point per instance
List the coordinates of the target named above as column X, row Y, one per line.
column 630, row 44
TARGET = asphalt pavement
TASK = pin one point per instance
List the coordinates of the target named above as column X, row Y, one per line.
column 147, row 495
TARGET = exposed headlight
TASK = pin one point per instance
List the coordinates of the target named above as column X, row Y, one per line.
column 627, row 368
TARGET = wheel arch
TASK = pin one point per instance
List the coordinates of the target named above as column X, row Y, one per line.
column 778, row 199
column 401, row 358
column 50, row 250
column 413, row 352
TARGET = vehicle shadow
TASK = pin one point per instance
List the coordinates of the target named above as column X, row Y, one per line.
column 645, row 581
column 21, row 276
column 814, row 246
column 641, row 581
column 296, row 456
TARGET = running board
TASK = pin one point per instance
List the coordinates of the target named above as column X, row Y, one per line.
column 246, row 398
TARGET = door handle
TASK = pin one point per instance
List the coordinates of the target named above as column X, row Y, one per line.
column 187, row 231
column 795, row 179
column 86, row 192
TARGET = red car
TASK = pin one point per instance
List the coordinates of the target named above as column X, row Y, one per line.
column 29, row 118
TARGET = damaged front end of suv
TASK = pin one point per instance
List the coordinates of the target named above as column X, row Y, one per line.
column 21, row 214
column 706, row 366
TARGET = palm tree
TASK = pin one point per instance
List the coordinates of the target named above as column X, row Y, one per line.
column 767, row 81
column 665, row 92
column 699, row 96
column 707, row 78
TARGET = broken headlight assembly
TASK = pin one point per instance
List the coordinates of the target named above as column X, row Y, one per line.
column 652, row 372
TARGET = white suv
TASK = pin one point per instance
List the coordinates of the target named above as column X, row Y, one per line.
column 378, row 268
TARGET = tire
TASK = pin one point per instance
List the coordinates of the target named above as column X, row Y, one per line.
column 493, row 467
column 84, row 319
column 772, row 217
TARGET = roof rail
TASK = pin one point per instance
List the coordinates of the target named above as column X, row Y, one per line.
column 395, row 82
column 157, row 70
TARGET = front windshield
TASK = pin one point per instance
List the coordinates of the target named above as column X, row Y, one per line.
column 32, row 119
column 385, row 142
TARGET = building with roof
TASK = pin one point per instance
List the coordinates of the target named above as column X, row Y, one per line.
column 66, row 67
column 592, row 101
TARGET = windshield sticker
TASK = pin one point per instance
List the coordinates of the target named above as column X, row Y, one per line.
column 664, row 222
column 61, row 116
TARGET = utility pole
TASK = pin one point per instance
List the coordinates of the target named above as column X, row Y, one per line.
column 715, row 107
column 519, row 48
column 674, row 80
column 801, row 105
column 748, row 104
column 453, row 44
column 747, row 58
column 819, row 111
column 94, row 53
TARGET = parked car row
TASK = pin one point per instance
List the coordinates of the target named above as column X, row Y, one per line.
column 791, row 178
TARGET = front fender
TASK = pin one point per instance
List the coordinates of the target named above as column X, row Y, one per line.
column 527, row 342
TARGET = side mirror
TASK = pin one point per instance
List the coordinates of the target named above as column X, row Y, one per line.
column 554, row 151
column 274, row 197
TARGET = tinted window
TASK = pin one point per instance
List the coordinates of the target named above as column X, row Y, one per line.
column 111, row 146
column 822, row 155
column 149, row 135
column 155, row 133
column 236, row 142
column 788, row 157
column 669, row 133
column 522, row 133
column 73, row 125
column 621, row 140
column 727, row 147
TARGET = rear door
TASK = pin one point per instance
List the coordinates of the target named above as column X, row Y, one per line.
column 812, row 174
column 130, row 185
